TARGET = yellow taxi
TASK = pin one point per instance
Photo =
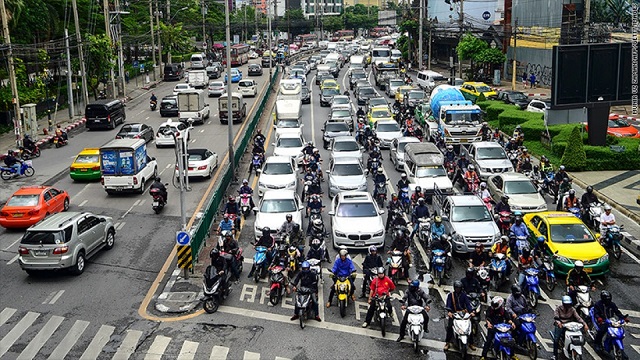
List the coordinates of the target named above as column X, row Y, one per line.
column 401, row 91
column 570, row 239
column 377, row 113
column 86, row 165
column 471, row 90
column 329, row 84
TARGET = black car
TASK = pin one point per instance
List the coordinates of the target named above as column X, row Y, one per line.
column 365, row 93
column 213, row 72
column 306, row 95
column 169, row 106
column 323, row 76
column 255, row 69
column 514, row 97
column 136, row 131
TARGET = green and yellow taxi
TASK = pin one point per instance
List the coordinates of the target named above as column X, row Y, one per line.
column 378, row 113
column 471, row 90
column 86, row 165
column 329, row 84
column 570, row 239
column 401, row 91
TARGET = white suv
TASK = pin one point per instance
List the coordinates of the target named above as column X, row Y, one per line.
column 356, row 221
column 248, row 87
column 278, row 172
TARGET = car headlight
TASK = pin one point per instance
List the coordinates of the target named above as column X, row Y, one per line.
column 485, row 169
column 604, row 258
column 514, row 207
column 563, row 259
column 542, row 207
column 293, row 183
column 379, row 233
column 340, row 234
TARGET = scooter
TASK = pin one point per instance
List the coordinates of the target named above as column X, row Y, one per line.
column 450, row 166
column 584, row 304
column 245, row 205
column 382, row 313
column 526, row 335
column 471, row 185
column 256, row 164
column 26, row 169
column 215, row 288
column 343, row 290
column 153, row 104
column 462, row 331
column 292, row 259
column 415, row 325
column 259, row 263
column 572, row 341
column 424, row 230
column 158, row 202
column 381, row 193
column 476, row 308
column 531, row 288
column 367, row 277
column 405, row 199
column 374, row 164
column 59, row 141
column 498, row 270
column 503, row 219
column 26, row 154
column 396, row 270
column 503, row 342
column 276, row 284
column 519, row 243
column 576, row 211
column 303, row 303
column 482, row 274
column 613, row 344
column 547, row 272
column 549, row 184
column 612, row 240
column 593, row 213
column 438, row 260
column 314, row 265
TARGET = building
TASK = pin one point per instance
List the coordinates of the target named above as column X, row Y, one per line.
column 378, row 3
column 311, row 8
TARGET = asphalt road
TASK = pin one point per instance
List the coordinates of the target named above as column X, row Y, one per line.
column 96, row 315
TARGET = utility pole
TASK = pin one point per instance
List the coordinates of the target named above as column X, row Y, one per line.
column 153, row 42
column 118, row 39
column 69, row 74
column 85, row 89
column 461, row 17
column 429, row 56
column 513, row 70
column 204, row 30
column 420, row 36
column 159, row 40
column 269, row 41
column 17, row 123
column 107, row 27
column 587, row 19
column 168, row 11
column 229, row 99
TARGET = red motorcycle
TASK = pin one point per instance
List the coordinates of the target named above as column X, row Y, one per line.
column 235, row 219
column 451, row 169
column 472, row 184
column 158, row 202
column 503, row 219
column 28, row 154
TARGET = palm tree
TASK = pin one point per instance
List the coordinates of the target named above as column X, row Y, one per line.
column 620, row 11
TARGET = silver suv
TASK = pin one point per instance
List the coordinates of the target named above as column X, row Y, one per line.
column 65, row 241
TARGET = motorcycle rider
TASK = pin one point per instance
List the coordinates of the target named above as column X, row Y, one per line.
column 502, row 247
column 375, row 152
column 232, row 208
column 525, row 165
column 396, row 220
column 28, row 143
column 401, row 243
column 518, row 134
column 517, row 303
column 315, row 204
column 259, row 138
column 417, row 194
column 61, row 133
column 371, row 262
column 545, row 165
column 246, row 189
column 308, row 149
column 511, row 145
column 342, row 267
column 457, row 300
column 419, row 212
column 296, row 237
column 525, row 261
column 563, row 187
column 266, row 240
column 518, row 229
column 378, row 178
column 437, row 228
column 403, row 182
column 381, row 286
column 563, row 314
column 587, row 199
column 360, row 112
column 219, row 264
column 287, row 226
column 226, row 225
column 394, row 203
column 379, row 170
column 442, row 243
column 153, row 98
column 230, row 246
column 310, row 177
column 603, row 310
column 495, row 314
column 307, row 279
column 449, row 155
column 414, row 297
column 484, row 192
column 606, row 219
column 576, row 277
column 485, row 131
column 157, row 184
column 471, row 177
column 561, row 174
column 317, row 252
column 571, row 201
column 478, row 258
column 503, row 205
column 470, row 284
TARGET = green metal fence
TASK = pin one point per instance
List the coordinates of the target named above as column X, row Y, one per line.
column 201, row 230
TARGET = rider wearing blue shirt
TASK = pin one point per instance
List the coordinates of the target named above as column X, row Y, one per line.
column 226, row 225
column 343, row 267
column 437, row 229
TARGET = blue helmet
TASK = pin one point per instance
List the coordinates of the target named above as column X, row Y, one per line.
column 517, row 213
column 567, row 300
column 305, row 266
column 541, row 239
column 415, row 284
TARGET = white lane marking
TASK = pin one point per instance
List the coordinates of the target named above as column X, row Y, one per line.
column 56, row 297
column 6, row 314
column 128, row 345
column 83, row 203
column 147, row 118
column 321, row 300
column 157, row 348
column 168, row 166
column 13, row 259
column 119, row 225
column 201, row 131
column 81, row 191
column 248, row 355
column 98, row 342
column 219, row 353
column 131, row 208
column 142, row 202
column 140, row 112
column 193, row 141
column 313, row 128
column 17, row 331
column 43, row 335
column 13, row 243
column 633, row 257
column 69, row 340
column 188, row 350
column 209, row 122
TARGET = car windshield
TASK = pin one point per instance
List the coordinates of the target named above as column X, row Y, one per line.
column 482, row 89
column 23, row 200
column 245, row 84
column 395, row 83
column 217, row 84
column 87, row 159
column 519, row 187
column 336, row 127
column 359, row 209
column 181, row 87
column 470, row 214
column 358, row 75
column 346, row 146
column 288, row 124
column 329, row 83
column 402, row 145
column 289, row 142
column 340, row 100
column 462, row 117
column 367, row 91
column 377, row 114
column 388, row 127
column 277, row 169
column 305, row 91
column 346, row 170
column 518, row 96
column 377, row 101
column 278, row 206
column 618, row 123
column 489, row 153
column 416, row 95
column 44, row 237
column 330, row 92
column 404, row 91
column 571, row 233
column 430, row 171
column 196, row 157
column 340, row 113
column 130, row 128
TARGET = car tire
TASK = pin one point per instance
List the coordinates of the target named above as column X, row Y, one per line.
column 65, row 206
column 110, row 239
column 80, row 264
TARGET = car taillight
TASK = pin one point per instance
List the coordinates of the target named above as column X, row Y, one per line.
column 33, row 211
column 137, row 137
column 108, row 118
column 95, row 168
column 72, row 168
column 23, row 250
column 135, row 180
column 60, row 250
column 4, row 214
column 102, row 180
column 202, row 167
column 118, row 137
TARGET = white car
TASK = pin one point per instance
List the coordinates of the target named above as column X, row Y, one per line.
column 356, row 221
column 288, row 126
column 164, row 137
column 387, row 130
column 180, row 88
column 397, row 150
column 216, row 88
column 346, row 174
column 345, row 147
column 523, row 194
column 248, row 87
column 277, row 173
column 539, row 106
column 202, row 162
column 289, row 145
column 253, row 55
column 393, row 85
column 341, row 100
column 273, row 209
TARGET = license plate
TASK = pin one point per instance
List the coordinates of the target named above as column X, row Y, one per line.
column 84, row 170
column 588, row 270
column 40, row 253
column 156, row 203
column 96, row 120
column 119, row 188
column 17, row 215
column 463, row 140
column 359, row 243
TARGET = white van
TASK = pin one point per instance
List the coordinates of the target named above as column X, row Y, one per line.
column 428, row 79
column 198, row 61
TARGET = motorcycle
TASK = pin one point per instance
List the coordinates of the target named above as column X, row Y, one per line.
column 260, row 263
column 547, row 271
column 576, row 211
column 483, row 276
column 450, row 166
column 476, row 308
column 215, row 288
column 488, row 202
column 381, row 193
column 158, row 202
column 382, row 313
column 498, row 270
column 28, row 154
column 374, row 164
column 612, row 343
column 438, row 264
column 415, row 325
column 59, row 141
column 531, row 288
column 343, row 290
column 513, row 157
column 26, row 169
column 256, row 164
column 303, row 303
column 315, row 214
column 593, row 215
column 471, row 185
column 519, row 243
column 462, row 331
column 503, row 219
column 245, row 205
column 405, row 199
column 526, row 335
column 503, row 342
column 153, row 104
column 583, row 304
column 572, row 341
column 292, row 259
column 612, row 240
column 424, row 230
column 396, row 270
column 314, row 265
column 276, row 284
column 234, row 259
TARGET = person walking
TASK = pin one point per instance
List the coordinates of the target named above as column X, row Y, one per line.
column 524, row 79
column 532, row 80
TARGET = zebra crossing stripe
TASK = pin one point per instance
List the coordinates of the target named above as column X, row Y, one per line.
column 43, row 335
column 6, row 314
column 17, row 331
column 248, row 355
column 157, row 348
column 188, row 351
column 128, row 346
column 219, row 353
column 61, row 351
column 98, row 342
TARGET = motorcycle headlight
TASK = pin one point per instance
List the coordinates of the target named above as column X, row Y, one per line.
column 604, row 258
column 379, row 233
column 340, row 234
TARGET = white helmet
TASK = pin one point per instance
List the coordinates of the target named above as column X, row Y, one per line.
column 497, row 301
column 483, row 185
column 343, row 252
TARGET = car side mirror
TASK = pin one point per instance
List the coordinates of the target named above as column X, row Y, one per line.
column 255, row 208
column 274, row 144
column 153, row 159
column 103, row 220
column 446, row 218
column 331, row 213
column 381, row 212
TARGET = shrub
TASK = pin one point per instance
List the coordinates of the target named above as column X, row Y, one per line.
column 575, row 157
column 481, row 98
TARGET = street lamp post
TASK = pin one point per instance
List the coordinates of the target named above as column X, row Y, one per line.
column 228, row 80
column 269, row 41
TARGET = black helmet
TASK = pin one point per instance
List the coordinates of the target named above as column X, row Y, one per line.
column 470, row 272
column 315, row 244
column 266, row 231
column 605, row 296
column 214, row 253
column 418, row 189
column 589, row 189
column 457, row 285
column 399, row 233
column 515, row 290
column 158, row 179
column 504, row 198
column 296, row 227
column 289, row 217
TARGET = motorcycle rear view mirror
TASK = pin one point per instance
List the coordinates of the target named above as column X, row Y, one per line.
column 446, row 218
column 259, row 170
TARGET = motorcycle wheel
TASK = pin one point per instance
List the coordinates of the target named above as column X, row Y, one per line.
column 463, row 350
column 576, row 356
column 618, row 354
column 210, row 306
column 439, row 277
column 29, row 172
column 58, row 144
column 24, row 156
column 6, row 175
column 156, row 210
column 532, row 299
column 383, row 326
column 257, row 273
column 343, row 308
column 617, row 251
column 550, row 282
column 532, row 350
column 274, row 297
column 36, row 153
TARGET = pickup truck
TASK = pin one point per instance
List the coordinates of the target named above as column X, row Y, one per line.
column 198, row 79
column 488, row 158
column 467, row 220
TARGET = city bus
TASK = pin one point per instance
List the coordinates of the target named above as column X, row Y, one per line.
column 239, row 54
column 309, row 39
column 346, row 35
column 378, row 31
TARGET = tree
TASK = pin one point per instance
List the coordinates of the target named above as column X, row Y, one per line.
column 574, row 158
column 491, row 56
column 175, row 39
column 332, row 23
column 469, row 46
column 100, row 62
column 620, row 11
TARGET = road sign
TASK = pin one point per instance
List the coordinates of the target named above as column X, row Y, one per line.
column 141, row 67
column 185, row 258
column 136, row 64
column 183, row 238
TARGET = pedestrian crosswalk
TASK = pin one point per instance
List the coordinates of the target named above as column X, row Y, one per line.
column 32, row 335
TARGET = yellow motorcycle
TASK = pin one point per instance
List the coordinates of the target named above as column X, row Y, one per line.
column 343, row 289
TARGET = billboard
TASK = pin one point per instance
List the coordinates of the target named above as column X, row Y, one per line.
column 591, row 73
column 387, row 18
